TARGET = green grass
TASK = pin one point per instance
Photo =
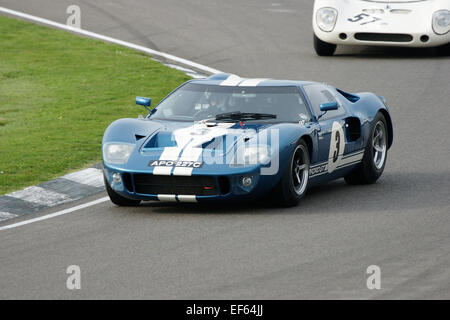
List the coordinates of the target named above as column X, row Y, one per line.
column 59, row 92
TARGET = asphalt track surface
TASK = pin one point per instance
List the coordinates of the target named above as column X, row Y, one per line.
column 320, row 249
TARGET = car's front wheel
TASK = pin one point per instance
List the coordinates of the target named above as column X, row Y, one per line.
column 294, row 182
column 375, row 155
column 118, row 199
column 323, row 48
column 444, row 50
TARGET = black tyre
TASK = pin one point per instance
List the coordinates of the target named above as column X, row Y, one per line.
column 117, row 199
column 323, row 48
column 294, row 182
column 444, row 50
column 375, row 155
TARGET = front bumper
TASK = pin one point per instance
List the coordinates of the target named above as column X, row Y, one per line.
column 377, row 37
column 195, row 188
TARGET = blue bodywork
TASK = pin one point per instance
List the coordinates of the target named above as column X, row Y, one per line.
column 152, row 137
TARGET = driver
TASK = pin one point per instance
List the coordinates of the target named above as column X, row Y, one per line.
column 217, row 102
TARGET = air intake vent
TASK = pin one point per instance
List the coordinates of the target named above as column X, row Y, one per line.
column 186, row 185
column 384, row 37
column 401, row 11
column 127, row 181
column 139, row 137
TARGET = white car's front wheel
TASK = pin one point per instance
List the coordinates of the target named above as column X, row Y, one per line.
column 444, row 50
column 323, row 48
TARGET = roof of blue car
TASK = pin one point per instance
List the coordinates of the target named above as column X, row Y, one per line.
column 234, row 80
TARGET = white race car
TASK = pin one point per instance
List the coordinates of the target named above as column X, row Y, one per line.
column 406, row 23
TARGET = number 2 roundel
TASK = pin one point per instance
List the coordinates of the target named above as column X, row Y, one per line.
column 337, row 146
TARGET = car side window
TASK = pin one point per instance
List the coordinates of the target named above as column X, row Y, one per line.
column 319, row 94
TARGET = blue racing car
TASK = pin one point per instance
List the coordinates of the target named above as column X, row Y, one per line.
column 226, row 138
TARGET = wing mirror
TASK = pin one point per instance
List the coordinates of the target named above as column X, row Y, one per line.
column 142, row 101
column 329, row 106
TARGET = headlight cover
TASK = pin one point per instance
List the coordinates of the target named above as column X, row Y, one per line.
column 258, row 154
column 441, row 22
column 326, row 18
column 117, row 152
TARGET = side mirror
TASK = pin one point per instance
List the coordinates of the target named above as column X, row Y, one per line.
column 142, row 101
column 329, row 106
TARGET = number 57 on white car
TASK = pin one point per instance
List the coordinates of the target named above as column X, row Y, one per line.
column 403, row 23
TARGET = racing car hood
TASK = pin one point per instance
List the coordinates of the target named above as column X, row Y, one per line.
column 221, row 136
column 383, row 16
column 199, row 135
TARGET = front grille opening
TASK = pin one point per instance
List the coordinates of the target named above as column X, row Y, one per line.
column 401, row 11
column 384, row 37
column 224, row 185
column 126, row 177
column 184, row 185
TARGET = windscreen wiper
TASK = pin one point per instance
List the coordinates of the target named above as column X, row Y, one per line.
column 243, row 116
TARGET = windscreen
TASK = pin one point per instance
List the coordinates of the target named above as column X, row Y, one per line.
column 195, row 102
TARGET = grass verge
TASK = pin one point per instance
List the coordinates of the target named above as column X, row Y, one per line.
column 59, row 92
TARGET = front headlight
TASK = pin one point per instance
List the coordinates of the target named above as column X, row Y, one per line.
column 441, row 22
column 117, row 152
column 326, row 19
column 256, row 154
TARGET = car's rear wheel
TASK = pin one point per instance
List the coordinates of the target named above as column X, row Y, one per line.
column 323, row 48
column 294, row 182
column 118, row 199
column 375, row 155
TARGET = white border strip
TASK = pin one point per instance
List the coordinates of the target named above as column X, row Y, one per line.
column 56, row 214
column 40, row 196
column 111, row 40
column 90, row 176
column 6, row 216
